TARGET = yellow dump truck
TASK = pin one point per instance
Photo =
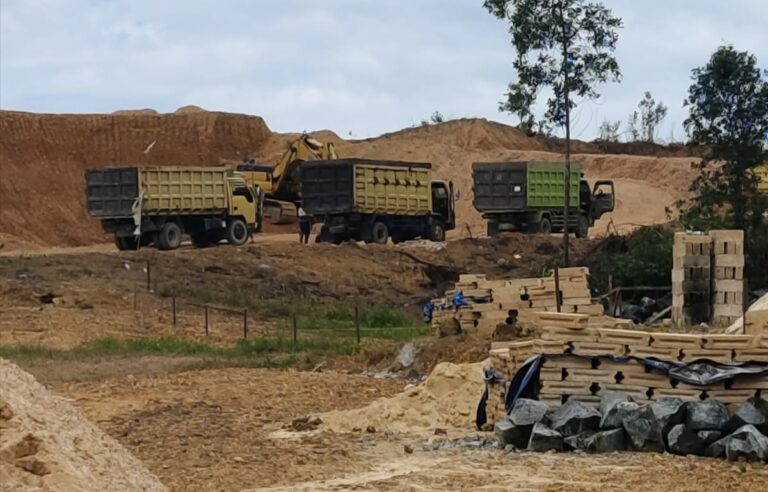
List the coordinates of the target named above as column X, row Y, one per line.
column 371, row 201
column 142, row 206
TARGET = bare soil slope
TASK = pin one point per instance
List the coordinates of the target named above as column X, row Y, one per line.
column 43, row 157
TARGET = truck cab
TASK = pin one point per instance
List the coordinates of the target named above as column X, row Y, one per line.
column 444, row 203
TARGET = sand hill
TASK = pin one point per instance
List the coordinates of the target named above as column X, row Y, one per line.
column 47, row 445
column 43, row 158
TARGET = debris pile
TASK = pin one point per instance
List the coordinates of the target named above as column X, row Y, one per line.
column 447, row 399
column 582, row 363
column 488, row 303
column 702, row 428
column 47, row 445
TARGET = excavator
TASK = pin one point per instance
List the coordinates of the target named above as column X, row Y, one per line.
column 280, row 183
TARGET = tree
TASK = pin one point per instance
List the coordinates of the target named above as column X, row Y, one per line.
column 651, row 116
column 609, row 131
column 728, row 104
column 633, row 127
column 437, row 117
column 564, row 45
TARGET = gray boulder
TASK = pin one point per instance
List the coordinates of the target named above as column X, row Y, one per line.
column 607, row 441
column 754, row 411
column 544, row 439
column 615, row 415
column 509, row 434
column 528, row 412
column 573, row 418
column 683, row 440
column 579, row 441
column 706, row 415
column 647, row 425
column 611, row 398
column 747, row 441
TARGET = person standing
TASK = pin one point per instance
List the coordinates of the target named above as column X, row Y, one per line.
column 305, row 226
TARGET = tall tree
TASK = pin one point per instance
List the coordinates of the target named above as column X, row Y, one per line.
column 728, row 104
column 652, row 113
column 609, row 131
column 565, row 45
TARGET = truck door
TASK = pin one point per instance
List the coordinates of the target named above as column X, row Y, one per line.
column 603, row 199
column 442, row 201
column 244, row 204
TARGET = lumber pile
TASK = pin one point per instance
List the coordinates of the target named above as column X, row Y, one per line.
column 575, row 370
column 708, row 277
column 491, row 302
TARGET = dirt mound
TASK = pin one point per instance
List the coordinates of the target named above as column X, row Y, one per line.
column 447, row 398
column 190, row 109
column 43, row 157
column 46, row 445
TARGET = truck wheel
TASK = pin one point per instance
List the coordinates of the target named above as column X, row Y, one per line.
column 492, row 228
column 583, row 228
column 379, row 233
column 437, row 232
column 324, row 236
column 545, row 226
column 169, row 237
column 237, row 232
column 126, row 243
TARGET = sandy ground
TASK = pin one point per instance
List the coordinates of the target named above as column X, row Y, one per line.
column 230, row 430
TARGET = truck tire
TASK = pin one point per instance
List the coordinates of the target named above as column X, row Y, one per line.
column 324, row 236
column 492, row 228
column 379, row 233
column 545, row 226
column 237, row 232
column 582, row 230
column 437, row 231
column 126, row 243
column 169, row 236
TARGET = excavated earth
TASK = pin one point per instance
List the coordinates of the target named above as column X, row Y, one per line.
column 43, row 158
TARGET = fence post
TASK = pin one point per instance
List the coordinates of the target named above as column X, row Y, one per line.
column 558, row 298
column 357, row 323
column 173, row 304
column 295, row 331
column 149, row 277
column 245, row 323
column 206, row 319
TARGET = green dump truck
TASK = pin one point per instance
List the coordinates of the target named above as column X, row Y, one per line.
column 145, row 206
column 530, row 196
column 372, row 201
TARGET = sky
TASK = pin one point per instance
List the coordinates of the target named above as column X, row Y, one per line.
column 357, row 67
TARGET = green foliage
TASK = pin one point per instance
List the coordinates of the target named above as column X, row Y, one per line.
column 728, row 104
column 647, row 259
column 609, row 131
column 651, row 116
column 566, row 45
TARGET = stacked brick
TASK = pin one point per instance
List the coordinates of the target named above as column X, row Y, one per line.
column 708, row 277
column 493, row 301
column 691, row 279
column 575, row 372
column 727, row 276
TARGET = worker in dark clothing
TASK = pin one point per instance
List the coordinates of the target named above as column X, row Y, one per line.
column 305, row 226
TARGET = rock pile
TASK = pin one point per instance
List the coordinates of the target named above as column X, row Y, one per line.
column 702, row 428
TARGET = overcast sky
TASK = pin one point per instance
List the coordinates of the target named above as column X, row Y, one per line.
column 357, row 67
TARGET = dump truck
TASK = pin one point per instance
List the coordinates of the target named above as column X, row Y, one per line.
column 280, row 182
column 374, row 200
column 530, row 196
column 145, row 206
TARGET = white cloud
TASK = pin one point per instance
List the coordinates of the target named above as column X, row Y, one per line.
column 364, row 66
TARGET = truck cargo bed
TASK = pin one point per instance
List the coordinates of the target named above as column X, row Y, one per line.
column 112, row 192
column 367, row 187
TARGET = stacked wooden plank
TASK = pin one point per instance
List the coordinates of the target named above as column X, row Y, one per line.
column 691, row 279
column 727, row 276
column 573, row 369
column 491, row 302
